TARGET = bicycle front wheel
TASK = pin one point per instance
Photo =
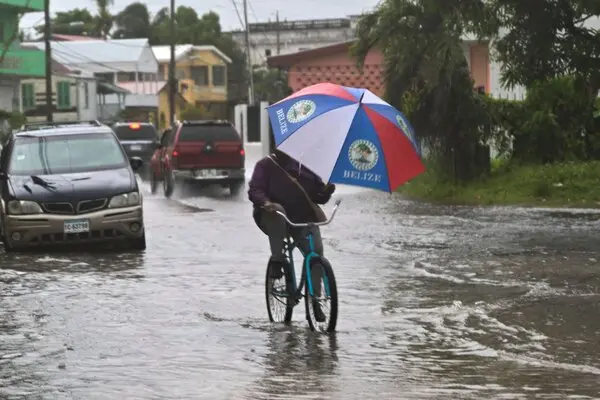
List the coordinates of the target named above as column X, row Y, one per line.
column 278, row 292
column 322, row 305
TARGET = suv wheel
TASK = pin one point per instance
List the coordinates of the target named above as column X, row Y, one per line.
column 168, row 183
column 236, row 187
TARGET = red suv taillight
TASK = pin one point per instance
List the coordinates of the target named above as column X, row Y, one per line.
column 242, row 152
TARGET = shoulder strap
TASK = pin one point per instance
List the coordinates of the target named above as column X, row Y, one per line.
column 293, row 180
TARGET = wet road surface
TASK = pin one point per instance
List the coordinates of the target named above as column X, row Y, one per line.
column 435, row 303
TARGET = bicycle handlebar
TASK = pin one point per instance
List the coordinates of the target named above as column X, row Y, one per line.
column 306, row 224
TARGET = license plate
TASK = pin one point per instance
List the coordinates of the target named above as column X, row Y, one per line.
column 206, row 173
column 136, row 147
column 77, row 226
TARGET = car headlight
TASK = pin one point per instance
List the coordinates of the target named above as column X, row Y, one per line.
column 23, row 207
column 125, row 200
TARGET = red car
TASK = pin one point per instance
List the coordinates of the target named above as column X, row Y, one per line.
column 199, row 152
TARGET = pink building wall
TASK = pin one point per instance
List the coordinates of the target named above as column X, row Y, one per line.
column 340, row 68
column 337, row 66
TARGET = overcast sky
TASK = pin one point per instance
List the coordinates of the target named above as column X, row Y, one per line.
column 258, row 10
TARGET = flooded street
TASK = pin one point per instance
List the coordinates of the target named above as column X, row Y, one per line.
column 435, row 303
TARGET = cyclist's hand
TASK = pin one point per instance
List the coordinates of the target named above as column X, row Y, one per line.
column 329, row 189
column 272, row 207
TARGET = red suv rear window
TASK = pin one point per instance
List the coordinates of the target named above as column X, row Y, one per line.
column 208, row 133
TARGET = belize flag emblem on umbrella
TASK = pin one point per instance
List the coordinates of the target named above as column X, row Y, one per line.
column 347, row 136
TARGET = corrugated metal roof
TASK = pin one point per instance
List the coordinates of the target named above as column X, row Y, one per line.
column 71, row 38
column 163, row 53
column 96, row 51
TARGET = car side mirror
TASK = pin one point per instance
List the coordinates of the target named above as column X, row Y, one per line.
column 136, row 163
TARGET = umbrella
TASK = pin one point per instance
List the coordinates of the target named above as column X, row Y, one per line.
column 347, row 136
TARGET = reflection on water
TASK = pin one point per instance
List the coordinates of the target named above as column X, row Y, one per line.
column 435, row 303
column 298, row 364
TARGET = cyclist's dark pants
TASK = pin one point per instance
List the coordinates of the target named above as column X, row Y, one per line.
column 277, row 229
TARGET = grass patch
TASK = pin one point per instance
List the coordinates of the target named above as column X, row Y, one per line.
column 575, row 184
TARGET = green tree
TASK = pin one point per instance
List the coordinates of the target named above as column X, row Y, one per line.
column 78, row 21
column 104, row 19
column 427, row 76
column 543, row 39
column 538, row 44
column 271, row 85
column 133, row 22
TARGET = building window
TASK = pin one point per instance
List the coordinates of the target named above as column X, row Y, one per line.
column 162, row 71
column 28, row 95
column 200, row 75
column 64, row 94
column 180, row 73
column 106, row 77
column 126, row 77
column 86, row 95
column 268, row 52
column 218, row 75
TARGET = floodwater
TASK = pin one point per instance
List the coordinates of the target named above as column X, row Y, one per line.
column 435, row 303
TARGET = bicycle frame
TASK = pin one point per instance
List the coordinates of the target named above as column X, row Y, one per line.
column 290, row 245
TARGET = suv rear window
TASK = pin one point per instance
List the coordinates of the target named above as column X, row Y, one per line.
column 143, row 132
column 206, row 133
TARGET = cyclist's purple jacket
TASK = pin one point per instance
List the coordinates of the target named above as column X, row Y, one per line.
column 270, row 183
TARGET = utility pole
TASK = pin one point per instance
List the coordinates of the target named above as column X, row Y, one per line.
column 250, row 72
column 172, row 83
column 47, row 34
column 277, row 31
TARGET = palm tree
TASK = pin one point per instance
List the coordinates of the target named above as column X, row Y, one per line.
column 426, row 72
column 104, row 19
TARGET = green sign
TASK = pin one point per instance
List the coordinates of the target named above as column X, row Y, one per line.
column 24, row 62
column 34, row 5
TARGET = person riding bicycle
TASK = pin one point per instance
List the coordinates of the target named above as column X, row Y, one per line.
column 280, row 183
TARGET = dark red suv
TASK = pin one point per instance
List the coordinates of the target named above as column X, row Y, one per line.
column 202, row 153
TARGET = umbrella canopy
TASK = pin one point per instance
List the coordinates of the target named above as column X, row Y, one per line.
column 347, row 136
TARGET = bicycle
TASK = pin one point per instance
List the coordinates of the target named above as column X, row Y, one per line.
column 291, row 294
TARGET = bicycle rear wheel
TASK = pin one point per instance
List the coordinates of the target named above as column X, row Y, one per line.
column 326, row 302
column 278, row 293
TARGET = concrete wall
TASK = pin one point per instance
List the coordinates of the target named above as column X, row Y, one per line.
column 291, row 41
column 9, row 91
column 254, row 150
column 82, row 95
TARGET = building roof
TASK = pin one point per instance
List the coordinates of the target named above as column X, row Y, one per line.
column 163, row 53
column 71, row 38
column 287, row 60
column 57, row 68
column 109, row 88
column 95, row 51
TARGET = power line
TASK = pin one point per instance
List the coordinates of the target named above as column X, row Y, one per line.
column 238, row 14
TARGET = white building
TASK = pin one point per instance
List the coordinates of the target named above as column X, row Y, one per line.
column 74, row 96
column 285, row 37
column 126, row 69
